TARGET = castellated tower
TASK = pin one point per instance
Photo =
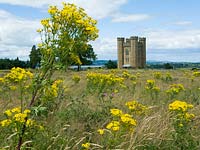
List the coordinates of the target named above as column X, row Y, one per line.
column 131, row 52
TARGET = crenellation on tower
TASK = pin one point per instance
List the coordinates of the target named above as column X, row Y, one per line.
column 131, row 52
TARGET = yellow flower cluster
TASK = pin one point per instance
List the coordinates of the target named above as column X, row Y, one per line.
column 17, row 75
column 113, row 125
column 55, row 88
column 136, row 107
column 186, row 116
column 76, row 78
column 45, row 22
column 175, row 89
column 196, row 74
column 100, row 131
column 6, row 122
column 116, row 112
column 126, row 74
column 168, row 77
column 178, row 105
column 104, row 81
column 86, row 145
column 1, row 80
column 52, row 10
column 16, row 116
column 150, row 86
column 180, row 108
column 157, row 75
column 124, row 120
column 70, row 16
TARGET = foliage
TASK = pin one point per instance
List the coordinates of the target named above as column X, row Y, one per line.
column 111, row 64
column 86, row 56
column 10, row 63
column 182, row 125
column 61, row 34
column 160, row 123
column 168, row 66
column 102, row 83
column 35, row 57
column 65, row 34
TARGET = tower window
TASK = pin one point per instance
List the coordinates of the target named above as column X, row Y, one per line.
column 127, row 52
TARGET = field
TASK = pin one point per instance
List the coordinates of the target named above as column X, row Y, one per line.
column 108, row 109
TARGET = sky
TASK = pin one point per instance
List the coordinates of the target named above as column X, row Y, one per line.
column 172, row 27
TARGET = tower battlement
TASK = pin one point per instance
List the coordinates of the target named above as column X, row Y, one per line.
column 131, row 52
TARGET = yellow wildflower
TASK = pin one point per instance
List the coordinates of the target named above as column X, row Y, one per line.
column 20, row 117
column 8, row 113
column 180, row 125
column 40, row 45
column 29, row 122
column 114, row 125
column 136, row 107
column 115, row 112
column 86, row 145
column 5, row 122
column 27, row 111
column 39, row 30
column 189, row 116
column 100, row 131
column 179, row 106
column 16, row 110
column 126, row 118
column 13, row 88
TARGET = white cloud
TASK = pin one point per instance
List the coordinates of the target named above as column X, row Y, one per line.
column 105, row 48
column 165, row 40
column 183, row 23
column 16, row 35
column 168, row 39
column 95, row 8
column 129, row 17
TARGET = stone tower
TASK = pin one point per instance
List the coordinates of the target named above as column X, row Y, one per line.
column 131, row 52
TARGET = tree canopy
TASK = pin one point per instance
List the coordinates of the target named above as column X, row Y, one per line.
column 35, row 57
column 66, row 34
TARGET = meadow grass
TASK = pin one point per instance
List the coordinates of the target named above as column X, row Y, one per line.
column 83, row 107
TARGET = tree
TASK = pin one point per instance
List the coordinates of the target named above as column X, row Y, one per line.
column 85, row 54
column 111, row 64
column 168, row 66
column 65, row 35
column 35, row 57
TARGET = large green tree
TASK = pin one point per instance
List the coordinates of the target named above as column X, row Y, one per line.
column 35, row 57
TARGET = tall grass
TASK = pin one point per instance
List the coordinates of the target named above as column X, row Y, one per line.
column 79, row 111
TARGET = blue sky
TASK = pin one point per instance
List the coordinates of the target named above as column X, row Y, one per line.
column 172, row 27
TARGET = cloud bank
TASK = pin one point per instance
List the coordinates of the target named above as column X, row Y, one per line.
column 16, row 35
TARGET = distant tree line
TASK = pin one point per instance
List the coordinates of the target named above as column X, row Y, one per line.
column 86, row 56
column 173, row 65
column 10, row 63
